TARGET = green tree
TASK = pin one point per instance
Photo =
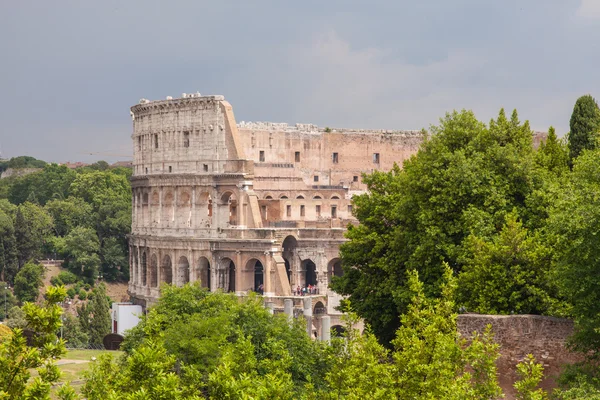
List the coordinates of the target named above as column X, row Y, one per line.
column 530, row 375
column 17, row 360
column 585, row 126
column 32, row 228
column 28, row 282
column 53, row 182
column 7, row 300
column 574, row 223
column 16, row 318
column 69, row 214
column 553, row 154
column 99, row 313
column 463, row 181
column 8, row 248
column 72, row 332
column 509, row 273
column 80, row 248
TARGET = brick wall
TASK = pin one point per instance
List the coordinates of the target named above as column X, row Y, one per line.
column 519, row 335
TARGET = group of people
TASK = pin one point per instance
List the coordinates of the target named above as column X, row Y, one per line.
column 310, row 289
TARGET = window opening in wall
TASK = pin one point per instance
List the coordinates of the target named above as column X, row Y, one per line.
column 139, row 143
column 334, row 157
column 264, row 212
column 316, row 178
column 261, row 156
column 156, row 140
column 146, row 170
column 289, row 211
column 333, row 211
column 170, row 169
column 302, row 210
column 355, row 178
column 186, row 139
column 349, row 208
column 376, row 158
column 318, row 210
column 205, row 167
column 297, row 156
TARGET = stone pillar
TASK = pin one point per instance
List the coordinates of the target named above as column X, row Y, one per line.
column 214, row 267
column 139, row 273
column 193, row 209
column 326, row 328
column 239, row 289
column 270, row 306
column 240, row 210
column 307, row 303
column 135, row 208
column 174, row 209
column 288, row 309
column 160, row 200
column 268, row 285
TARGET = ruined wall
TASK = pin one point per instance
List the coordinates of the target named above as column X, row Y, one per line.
column 519, row 335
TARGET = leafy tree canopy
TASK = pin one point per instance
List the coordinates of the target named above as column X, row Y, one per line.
column 584, row 125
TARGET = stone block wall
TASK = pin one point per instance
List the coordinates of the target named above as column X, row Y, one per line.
column 519, row 335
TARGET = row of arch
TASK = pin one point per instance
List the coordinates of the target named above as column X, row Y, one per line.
column 302, row 197
column 152, row 273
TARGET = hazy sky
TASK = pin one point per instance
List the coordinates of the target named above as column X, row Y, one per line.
column 70, row 70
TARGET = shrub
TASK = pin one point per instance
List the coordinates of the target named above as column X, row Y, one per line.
column 4, row 332
column 67, row 277
column 82, row 294
column 55, row 281
column 71, row 293
column 87, row 287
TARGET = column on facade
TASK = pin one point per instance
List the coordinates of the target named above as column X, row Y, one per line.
column 174, row 209
column 214, row 263
column 192, row 223
column 131, row 266
column 268, row 291
column 241, row 204
column 139, row 272
column 238, row 272
column 160, row 201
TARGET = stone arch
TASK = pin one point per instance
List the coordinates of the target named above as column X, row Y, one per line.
column 300, row 197
column 154, row 271
column 334, row 268
column 184, row 199
column 205, row 200
column 288, row 252
column 183, row 271
column 203, row 272
column 144, row 270
column 268, row 196
column 283, row 196
column 317, row 197
column 310, row 272
column 319, row 308
column 228, row 199
column 166, row 270
column 226, row 275
column 257, row 269
column 335, row 197
column 168, row 206
column 338, row 331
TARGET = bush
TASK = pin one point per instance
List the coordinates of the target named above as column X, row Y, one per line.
column 4, row 332
column 87, row 287
column 28, row 282
column 55, row 281
column 67, row 277
column 71, row 293
column 82, row 294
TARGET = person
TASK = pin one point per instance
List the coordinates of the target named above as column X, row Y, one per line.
column 298, row 291
column 260, row 288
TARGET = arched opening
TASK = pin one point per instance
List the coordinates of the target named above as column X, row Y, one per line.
column 337, row 331
column 153, row 271
column 320, row 308
column 229, row 200
column 310, row 272
column 259, row 277
column 300, row 197
column 317, row 198
column 288, row 251
column 226, row 275
column 144, row 268
column 183, row 270
column 334, row 268
column 269, row 197
column 283, row 197
column 166, row 270
column 335, row 198
column 203, row 272
column 168, row 207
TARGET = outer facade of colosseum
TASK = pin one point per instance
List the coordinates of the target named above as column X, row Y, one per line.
column 237, row 206
column 246, row 206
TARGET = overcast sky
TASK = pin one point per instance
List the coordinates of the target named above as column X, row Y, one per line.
column 70, row 70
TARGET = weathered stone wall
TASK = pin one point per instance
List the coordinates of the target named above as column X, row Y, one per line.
column 18, row 172
column 519, row 335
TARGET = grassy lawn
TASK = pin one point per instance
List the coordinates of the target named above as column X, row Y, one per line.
column 88, row 354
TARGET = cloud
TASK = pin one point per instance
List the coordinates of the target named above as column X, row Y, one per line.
column 589, row 9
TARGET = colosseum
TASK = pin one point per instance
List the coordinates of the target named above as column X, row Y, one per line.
column 246, row 207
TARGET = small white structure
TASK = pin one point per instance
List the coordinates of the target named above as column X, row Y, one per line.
column 125, row 316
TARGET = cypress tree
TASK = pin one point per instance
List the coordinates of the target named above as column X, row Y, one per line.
column 585, row 126
column 99, row 310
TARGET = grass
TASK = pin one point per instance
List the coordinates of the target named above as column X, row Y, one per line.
column 88, row 354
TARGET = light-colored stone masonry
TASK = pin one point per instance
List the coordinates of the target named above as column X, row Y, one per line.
column 237, row 206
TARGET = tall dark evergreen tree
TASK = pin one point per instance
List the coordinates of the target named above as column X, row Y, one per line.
column 99, row 309
column 25, row 243
column 584, row 125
